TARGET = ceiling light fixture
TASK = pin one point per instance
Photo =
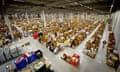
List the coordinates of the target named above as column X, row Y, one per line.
column 75, row 3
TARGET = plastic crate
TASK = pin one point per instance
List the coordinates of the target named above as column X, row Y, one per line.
column 35, row 35
column 20, row 65
column 39, row 53
column 32, row 58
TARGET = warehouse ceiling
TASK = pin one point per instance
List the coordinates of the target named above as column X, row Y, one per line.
column 102, row 6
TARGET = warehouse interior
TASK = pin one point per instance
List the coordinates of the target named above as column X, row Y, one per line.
column 59, row 36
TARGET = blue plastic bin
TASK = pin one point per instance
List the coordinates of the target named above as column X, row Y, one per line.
column 21, row 64
column 32, row 58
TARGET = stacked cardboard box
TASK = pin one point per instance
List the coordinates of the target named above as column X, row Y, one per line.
column 112, row 56
column 92, row 45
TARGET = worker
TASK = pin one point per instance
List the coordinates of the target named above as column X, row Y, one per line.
column 40, row 33
column 1, row 41
column 104, row 43
column 117, row 62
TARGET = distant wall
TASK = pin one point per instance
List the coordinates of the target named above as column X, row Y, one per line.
column 116, row 28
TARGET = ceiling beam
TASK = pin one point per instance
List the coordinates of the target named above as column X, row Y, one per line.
column 102, row 4
column 26, row 3
column 96, row 1
column 61, row 2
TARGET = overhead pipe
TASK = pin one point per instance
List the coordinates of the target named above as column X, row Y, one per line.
column 112, row 5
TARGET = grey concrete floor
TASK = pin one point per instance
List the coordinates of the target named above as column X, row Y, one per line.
column 87, row 64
